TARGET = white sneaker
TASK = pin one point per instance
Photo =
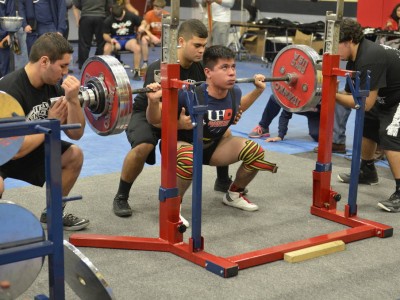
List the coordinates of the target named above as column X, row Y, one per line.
column 239, row 201
column 144, row 66
column 126, row 66
column 184, row 221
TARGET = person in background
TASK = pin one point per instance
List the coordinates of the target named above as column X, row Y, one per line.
column 221, row 20
column 68, row 5
column 151, row 29
column 128, row 6
column 119, row 33
column 7, row 8
column 42, row 16
column 272, row 109
column 32, row 87
column 89, row 17
column 392, row 23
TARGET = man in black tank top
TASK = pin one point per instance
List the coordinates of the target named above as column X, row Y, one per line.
column 382, row 117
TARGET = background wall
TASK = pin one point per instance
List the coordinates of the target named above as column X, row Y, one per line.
column 374, row 13
column 302, row 11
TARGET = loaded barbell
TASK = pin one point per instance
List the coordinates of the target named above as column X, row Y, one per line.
column 106, row 94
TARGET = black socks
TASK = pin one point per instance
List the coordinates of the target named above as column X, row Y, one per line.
column 124, row 188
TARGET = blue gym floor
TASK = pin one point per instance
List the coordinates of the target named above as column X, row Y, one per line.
column 105, row 155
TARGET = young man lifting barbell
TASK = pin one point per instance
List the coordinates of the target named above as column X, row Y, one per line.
column 225, row 100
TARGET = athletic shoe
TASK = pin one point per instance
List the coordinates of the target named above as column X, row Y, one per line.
column 392, row 204
column 144, row 66
column 239, row 201
column 223, row 186
column 121, row 206
column 136, row 75
column 126, row 66
column 259, row 132
column 184, row 221
column 367, row 176
column 70, row 222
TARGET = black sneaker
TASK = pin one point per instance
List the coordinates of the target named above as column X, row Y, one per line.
column 223, row 186
column 70, row 222
column 392, row 204
column 367, row 176
column 121, row 207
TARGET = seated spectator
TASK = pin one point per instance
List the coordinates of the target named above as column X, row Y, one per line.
column 151, row 29
column 128, row 6
column 271, row 111
column 119, row 34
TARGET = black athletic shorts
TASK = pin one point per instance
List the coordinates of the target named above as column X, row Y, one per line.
column 30, row 168
column 208, row 151
column 139, row 131
column 382, row 125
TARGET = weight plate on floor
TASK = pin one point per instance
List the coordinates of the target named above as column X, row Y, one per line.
column 83, row 277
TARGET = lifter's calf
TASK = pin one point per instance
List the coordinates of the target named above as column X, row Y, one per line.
column 71, row 165
column 132, row 167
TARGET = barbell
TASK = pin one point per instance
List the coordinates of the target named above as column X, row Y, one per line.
column 106, row 93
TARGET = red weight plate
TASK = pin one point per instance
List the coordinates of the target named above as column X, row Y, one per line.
column 304, row 92
column 118, row 96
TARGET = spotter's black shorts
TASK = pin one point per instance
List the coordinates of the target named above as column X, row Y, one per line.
column 30, row 168
column 139, row 131
column 382, row 125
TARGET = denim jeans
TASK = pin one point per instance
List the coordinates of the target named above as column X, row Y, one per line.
column 339, row 124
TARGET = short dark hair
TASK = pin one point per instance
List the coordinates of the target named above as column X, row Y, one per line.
column 214, row 53
column 350, row 30
column 192, row 27
column 117, row 10
column 50, row 44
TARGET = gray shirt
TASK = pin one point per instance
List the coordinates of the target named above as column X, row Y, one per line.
column 98, row 8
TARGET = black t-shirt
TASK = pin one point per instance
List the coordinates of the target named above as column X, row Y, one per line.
column 194, row 73
column 126, row 26
column 35, row 102
column 384, row 64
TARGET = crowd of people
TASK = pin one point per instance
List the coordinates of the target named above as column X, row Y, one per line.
column 112, row 24
column 117, row 26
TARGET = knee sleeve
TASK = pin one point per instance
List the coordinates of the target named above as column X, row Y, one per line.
column 184, row 162
column 252, row 156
